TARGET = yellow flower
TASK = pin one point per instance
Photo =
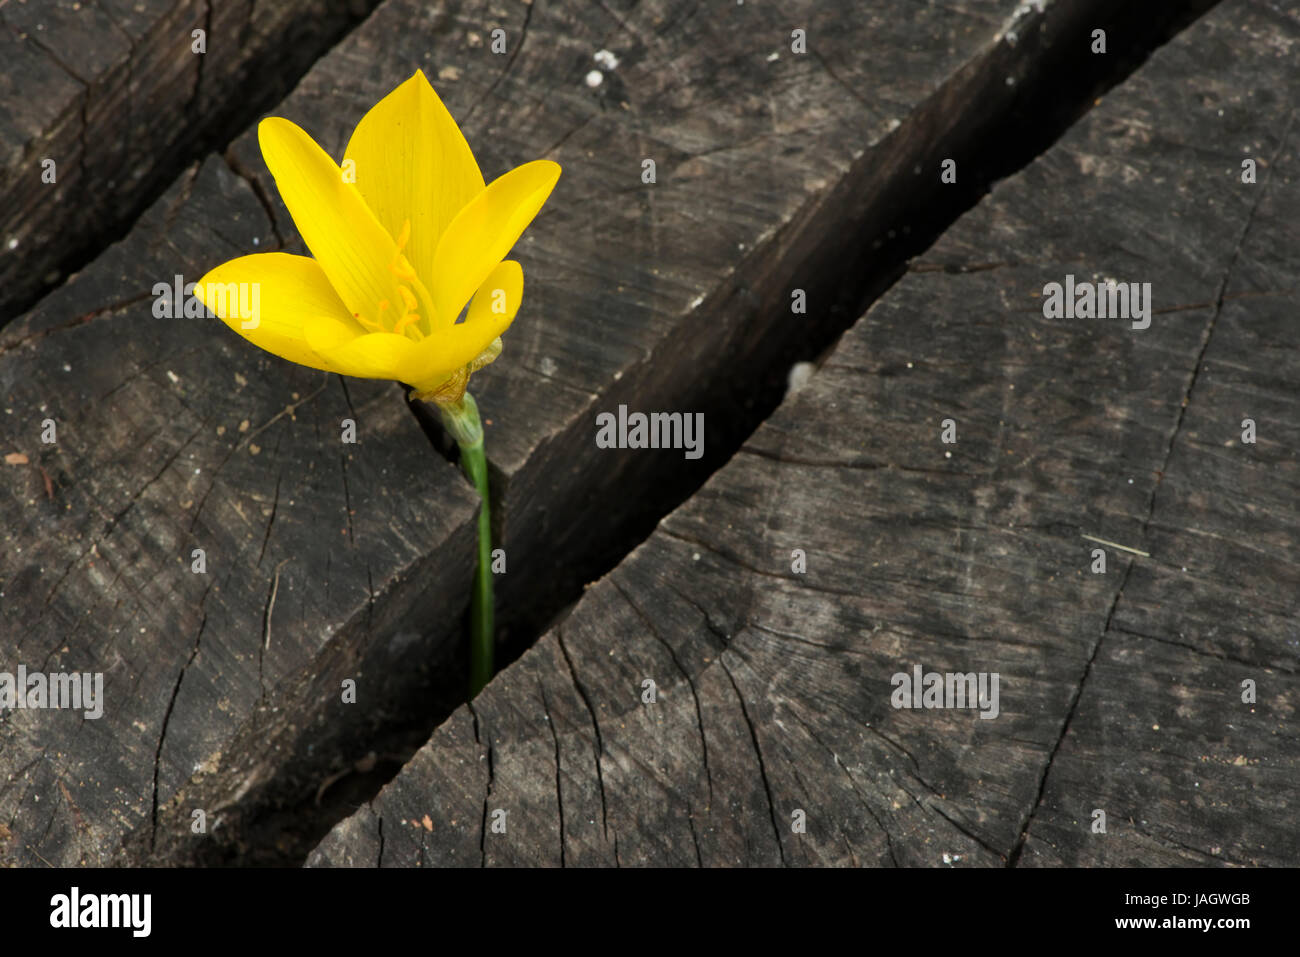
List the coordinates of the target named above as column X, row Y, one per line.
column 397, row 253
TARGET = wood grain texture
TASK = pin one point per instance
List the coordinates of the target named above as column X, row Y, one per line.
column 221, row 719
column 114, row 94
column 775, row 171
column 1160, row 736
column 1118, row 691
column 270, row 735
column 324, row 560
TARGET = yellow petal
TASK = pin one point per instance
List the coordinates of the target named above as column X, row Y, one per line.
column 412, row 163
column 324, row 334
column 269, row 297
column 483, row 232
column 373, row 355
column 343, row 234
column 452, row 348
column 494, row 306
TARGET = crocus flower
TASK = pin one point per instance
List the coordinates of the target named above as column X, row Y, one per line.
column 402, row 236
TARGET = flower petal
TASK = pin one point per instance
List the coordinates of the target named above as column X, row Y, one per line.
column 343, row 234
column 412, row 163
column 275, row 294
column 325, row 334
column 374, row 355
column 452, row 348
column 483, row 232
column 494, row 306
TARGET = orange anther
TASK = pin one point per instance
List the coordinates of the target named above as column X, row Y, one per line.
column 401, row 268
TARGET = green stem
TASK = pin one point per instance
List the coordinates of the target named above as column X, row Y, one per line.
column 462, row 421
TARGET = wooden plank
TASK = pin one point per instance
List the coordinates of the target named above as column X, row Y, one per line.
column 774, row 687
column 652, row 296
column 324, row 560
column 1204, row 776
column 257, row 757
column 113, row 93
column 813, row 160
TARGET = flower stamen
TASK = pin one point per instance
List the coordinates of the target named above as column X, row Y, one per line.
column 401, row 268
column 413, row 299
column 410, row 319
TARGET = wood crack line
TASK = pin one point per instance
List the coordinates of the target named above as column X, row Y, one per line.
column 555, row 737
column 167, row 717
column 487, row 789
column 523, row 35
column 889, row 841
column 1016, row 851
column 595, row 724
column 672, row 653
column 758, row 752
column 1214, row 318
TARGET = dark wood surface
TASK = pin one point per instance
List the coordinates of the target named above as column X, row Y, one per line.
column 623, row 280
column 173, row 434
column 113, row 92
column 1120, row 691
column 775, row 172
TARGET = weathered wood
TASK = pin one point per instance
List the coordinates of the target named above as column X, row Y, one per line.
column 769, row 160
column 324, row 560
column 113, row 92
column 269, row 747
column 774, row 171
column 1118, row 691
column 1200, row 775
